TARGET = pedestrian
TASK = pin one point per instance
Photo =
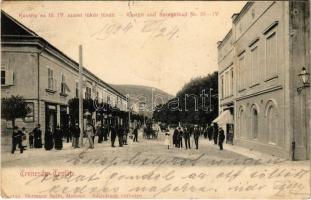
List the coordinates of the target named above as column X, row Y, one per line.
column 167, row 140
column 215, row 133
column 90, row 134
column 76, row 135
column 210, row 132
column 113, row 135
column 37, row 137
column 100, row 134
column 24, row 138
column 120, row 135
column 180, row 136
column 58, row 138
column 94, row 133
column 175, row 137
column 205, row 132
column 68, row 134
column 187, row 137
column 145, row 132
column 105, row 132
column 125, row 133
column 17, row 140
column 30, row 138
column 196, row 136
column 135, row 132
column 48, row 139
column 221, row 138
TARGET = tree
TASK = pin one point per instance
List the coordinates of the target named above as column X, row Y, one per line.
column 196, row 110
column 14, row 107
column 73, row 104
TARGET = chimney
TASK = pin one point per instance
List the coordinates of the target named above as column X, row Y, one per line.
column 234, row 16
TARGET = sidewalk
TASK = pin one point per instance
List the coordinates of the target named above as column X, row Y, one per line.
column 256, row 155
column 242, row 151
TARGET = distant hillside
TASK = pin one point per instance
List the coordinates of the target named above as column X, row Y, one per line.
column 140, row 93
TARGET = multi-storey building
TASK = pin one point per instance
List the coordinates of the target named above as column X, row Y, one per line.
column 36, row 70
column 259, row 62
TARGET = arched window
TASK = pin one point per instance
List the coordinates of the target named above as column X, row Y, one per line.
column 272, row 123
column 242, row 124
column 254, row 123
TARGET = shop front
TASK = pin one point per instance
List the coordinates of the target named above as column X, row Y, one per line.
column 50, row 116
column 225, row 120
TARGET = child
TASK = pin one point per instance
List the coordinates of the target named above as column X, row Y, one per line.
column 31, row 137
column 24, row 138
column 167, row 140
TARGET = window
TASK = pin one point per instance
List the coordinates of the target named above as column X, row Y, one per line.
column 2, row 77
column 231, row 82
column 222, row 86
column 7, row 76
column 30, row 116
column 271, row 56
column 63, row 85
column 272, row 124
column 104, row 95
column 88, row 93
column 254, row 66
column 77, row 89
column 227, row 84
column 254, row 123
column 242, row 124
column 242, row 72
column 50, row 79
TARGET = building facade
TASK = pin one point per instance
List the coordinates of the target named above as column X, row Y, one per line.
column 47, row 79
column 259, row 62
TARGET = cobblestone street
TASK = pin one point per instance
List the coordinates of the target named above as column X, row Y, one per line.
column 144, row 148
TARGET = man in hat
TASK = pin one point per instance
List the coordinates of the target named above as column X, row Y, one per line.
column 215, row 133
column 113, row 134
column 196, row 136
column 17, row 140
column 221, row 138
column 180, row 136
column 37, row 137
column 76, row 136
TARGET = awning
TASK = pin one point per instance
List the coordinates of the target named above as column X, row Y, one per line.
column 224, row 118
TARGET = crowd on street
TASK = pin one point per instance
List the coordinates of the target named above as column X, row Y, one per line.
column 186, row 136
column 189, row 135
column 54, row 139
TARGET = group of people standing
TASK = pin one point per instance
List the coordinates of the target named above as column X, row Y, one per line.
column 188, row 132
column 215, row 133
column 54, row 139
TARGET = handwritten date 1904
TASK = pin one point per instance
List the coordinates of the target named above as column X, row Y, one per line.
column 153, row 29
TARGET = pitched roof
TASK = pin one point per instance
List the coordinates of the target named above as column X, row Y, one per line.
column 12, row 27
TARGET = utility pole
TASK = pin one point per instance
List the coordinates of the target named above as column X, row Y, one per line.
column 129, row 109
column 80, row 96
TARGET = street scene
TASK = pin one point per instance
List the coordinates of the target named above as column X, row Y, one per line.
column 136, row 100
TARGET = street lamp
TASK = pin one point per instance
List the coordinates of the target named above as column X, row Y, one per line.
column 304, row 77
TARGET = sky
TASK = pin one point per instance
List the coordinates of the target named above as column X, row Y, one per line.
column 157, row 44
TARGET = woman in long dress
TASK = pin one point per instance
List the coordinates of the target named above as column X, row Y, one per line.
column 167, row 140
column 58, row 138
column 48, row 139
column 90, row 133
column 37, row 137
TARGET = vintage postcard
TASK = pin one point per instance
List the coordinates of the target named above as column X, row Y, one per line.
column 155, row 99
